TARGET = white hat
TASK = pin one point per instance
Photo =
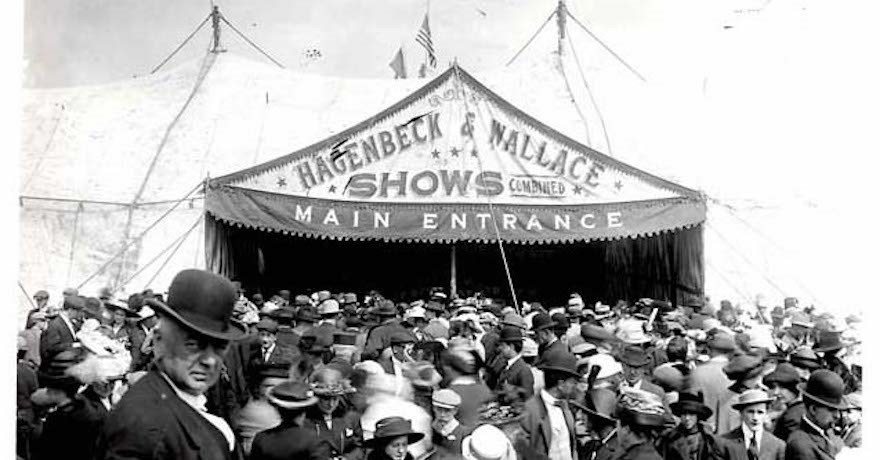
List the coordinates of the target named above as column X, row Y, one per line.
column 414, row 312
column 608, row 366
column 328, row 307
column 487, row 443
column 146, row 312
column 632, row 332
column 370, row 367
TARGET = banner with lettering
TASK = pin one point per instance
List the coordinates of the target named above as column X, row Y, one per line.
column 453, row 161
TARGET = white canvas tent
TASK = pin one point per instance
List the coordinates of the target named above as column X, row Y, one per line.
column 101, row 165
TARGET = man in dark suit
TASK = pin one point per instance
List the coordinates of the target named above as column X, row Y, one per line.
column 548, row 342
column 61, row 331
column 292, row 438
column 635, row 362
column 547, row 423
column 516, row 374
column 379, row 338
column 324, row 330
column 163, row 415
column 823, row 401
column 270, row 350
column 750, row 441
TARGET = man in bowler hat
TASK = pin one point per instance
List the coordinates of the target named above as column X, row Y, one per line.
column 823, row 401
column 163, row 415
column 516, row 372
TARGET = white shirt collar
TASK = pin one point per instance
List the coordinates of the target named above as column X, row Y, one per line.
column 268, row 351
column 548, row 398
column 747, row 434
column 815, row 427
column 196, row 402
column 69, row 324
column 511, row 361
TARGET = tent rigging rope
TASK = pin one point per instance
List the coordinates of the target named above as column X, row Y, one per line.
column 460, row 85
column 179, row 47
column 73, row 239
column 174, row 251
column 531, row 39
column 45, row 150
column 163, row 251
column 139, row 237
column 619, row 59
column 726, row 280
column 577, row 107
column 248, row 40
column 733, row 249
column 590, row 93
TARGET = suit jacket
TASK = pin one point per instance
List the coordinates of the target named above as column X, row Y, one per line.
column 734, row 446
column 324, row 333
column 790, row 420
column 343, row 438
column 518, row 375
column 285, row 442
column 556, row 347
column 70, row 432
column 54, row 340
column 152, row 422
column 536, row 430
column 711, row 380
column 280, row 354
column 379, row 338
column 806, row 443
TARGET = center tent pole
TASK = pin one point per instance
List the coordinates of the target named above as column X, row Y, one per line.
column 453, row 285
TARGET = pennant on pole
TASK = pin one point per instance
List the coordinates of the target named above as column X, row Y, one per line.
column 397, row 66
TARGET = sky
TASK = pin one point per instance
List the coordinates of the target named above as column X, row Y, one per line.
column 777, row 94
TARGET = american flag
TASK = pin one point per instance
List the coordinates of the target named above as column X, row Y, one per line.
column 424, row 39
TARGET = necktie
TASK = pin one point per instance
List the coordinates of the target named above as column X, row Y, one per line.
column 753, row 447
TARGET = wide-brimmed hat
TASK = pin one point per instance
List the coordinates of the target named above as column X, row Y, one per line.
column 596, row 333
column 800, row 318
column 743, row 367
column 123, row 307
column 542, row 321
column 805, row 358
column 328, row 382
column 385, row 308
column 512, row 319
column 583, row 349
column 632, row 332
column 826, row 388
column 510, row 334
column 292, row 395
column 749, row 397
column 853, row 401
column 393, row 427
column 828, row 341
column 634, row 356
column 560, row 361
column 487, row 442
column 604, row 404
column 608, row 366
column 693, row 403
column 202, row 302
column 307, row 314
column 268, row 325
column 642, row 408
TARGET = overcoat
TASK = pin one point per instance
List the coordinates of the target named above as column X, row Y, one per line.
column 152, row 422
column 537, row 432
column 344, row 437
column 807, row 443
column 518, row 375
column 286, row 442
column 790, row 420
column 54, row 340
column 713, row 382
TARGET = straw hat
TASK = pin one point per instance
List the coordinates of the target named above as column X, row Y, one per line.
column 632, row 332
column 292, row 395
column 446, row 399
column 749, row 397
column 487, row 443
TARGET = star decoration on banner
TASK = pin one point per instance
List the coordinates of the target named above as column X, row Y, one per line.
column 332, row 189
column 474, row 153
column 578, row 189
column 618, row 185
column 282, row 182
column 435, row 153
column 454, row 151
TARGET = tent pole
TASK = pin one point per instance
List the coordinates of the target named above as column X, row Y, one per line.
column 453, row 285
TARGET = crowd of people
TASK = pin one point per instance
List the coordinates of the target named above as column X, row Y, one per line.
column 205, row 371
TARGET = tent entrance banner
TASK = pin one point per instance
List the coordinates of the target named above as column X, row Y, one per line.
column 453, row 162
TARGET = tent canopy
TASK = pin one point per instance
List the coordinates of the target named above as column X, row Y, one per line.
column 453, row 161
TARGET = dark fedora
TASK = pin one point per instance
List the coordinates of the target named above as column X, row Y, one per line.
column 385, row 308
column 743, row 367
column 392, row 427
column 307, row 315
column 511, row 334
column 595, row 333
column 805, row 358
column 201, row 301
column 267, row 324
column 401, row 338
column 828, row 341
column 542, row 321
column 826, row 388
column 562, row 362
column 560, row 321
column 634, row 356
column 784, row 375
column 692, row 403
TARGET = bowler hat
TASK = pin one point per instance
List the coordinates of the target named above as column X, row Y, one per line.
column 562, row 362
column 292, row 395
column 828, row 341
column 826, row 388
column 743, row 367
column 634, row 356
column 749, row 397
column 385, row 308
column 691, row 402
column 487, row 442
column 393, row 427
column 511, row 334
column 560, row 321
column 542, row 321
column 201, row 301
